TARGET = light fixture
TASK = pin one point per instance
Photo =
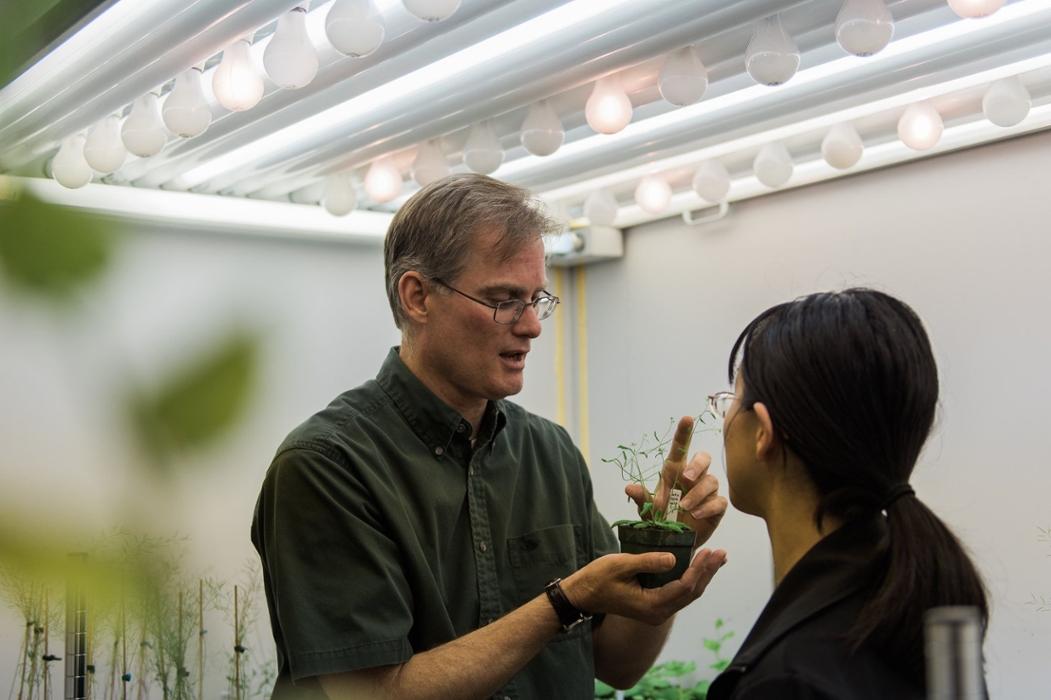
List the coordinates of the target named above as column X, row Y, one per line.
column 69, row 167
column 290, row 59
column 973, row 9
column 354, row 27
column 712, row 181
column 186, row 110
column 339, row 198
column 383, row 180
column 430, row 163
column 144, row 133
column 431, row 10
column 482, row 153
column 653, row 194
column 772, row 57
column 236, row 82
column 842, row 146
column 608, row 109
column 864, row 27
column 601, row 207
column 103, row 150
column 773, row 165
column 683, row 78
column 542, row 132
column 1006, row 102
column 920, row 126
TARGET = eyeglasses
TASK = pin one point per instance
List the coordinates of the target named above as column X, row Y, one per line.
column 508, row 312
column 720, row 403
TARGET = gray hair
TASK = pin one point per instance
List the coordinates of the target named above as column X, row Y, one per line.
column 433, row 231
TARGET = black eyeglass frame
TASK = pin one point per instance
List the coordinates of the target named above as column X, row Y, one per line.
column 517, row 304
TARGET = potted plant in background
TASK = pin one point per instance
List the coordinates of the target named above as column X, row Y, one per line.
column 658, row 528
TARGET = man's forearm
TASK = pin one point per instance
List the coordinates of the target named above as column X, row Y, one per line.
column 625, row 649
column 474, row 666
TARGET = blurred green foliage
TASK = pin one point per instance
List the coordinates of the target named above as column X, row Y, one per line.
column 50, row 250
column 197, row 404
column 668, row 681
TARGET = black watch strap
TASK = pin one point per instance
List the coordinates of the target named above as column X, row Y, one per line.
column 567, row 613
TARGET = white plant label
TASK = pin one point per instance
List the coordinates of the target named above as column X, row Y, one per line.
column 673, row 504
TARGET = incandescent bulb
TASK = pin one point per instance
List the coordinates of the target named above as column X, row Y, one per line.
column 1006, row 102
column 772, row 57
column 601, row 208
column 431, row 10
column 608, row 109
column 864, row 27
column 773, row 165
column 290, row 59
column 430, row 163
column 973, row 9
column 354, row 27
column 236, row 83
column 653, row 194
column 69, row 167
column 712, row 181
column 920, row 126
column 542, row 132
column 186, row 110
column 144, row 133
column 104, row 151
column 683, row 79
column 842, row 147
column 339, row 197
column 383, row 180
column 482, row 153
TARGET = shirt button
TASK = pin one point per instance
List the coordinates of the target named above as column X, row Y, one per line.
column 483, row 546
column 460, row 428
column 439, row 451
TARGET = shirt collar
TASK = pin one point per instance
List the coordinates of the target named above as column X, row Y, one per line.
column 835, row 568
column 433, row 420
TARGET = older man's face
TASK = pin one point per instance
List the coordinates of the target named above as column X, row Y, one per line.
column 474, row 357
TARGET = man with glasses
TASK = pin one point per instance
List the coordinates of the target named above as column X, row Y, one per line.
column 423, row 537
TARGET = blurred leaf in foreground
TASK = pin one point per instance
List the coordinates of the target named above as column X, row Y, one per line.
column 197, row 405
column 51, row 250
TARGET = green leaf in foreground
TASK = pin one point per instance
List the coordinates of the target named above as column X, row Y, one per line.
column 200, row 403
column 50, row 250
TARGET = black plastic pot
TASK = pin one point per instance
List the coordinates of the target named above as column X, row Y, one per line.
column 636, row 541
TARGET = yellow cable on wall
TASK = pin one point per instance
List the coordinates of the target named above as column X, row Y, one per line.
column 582, row 359
column 560, row 352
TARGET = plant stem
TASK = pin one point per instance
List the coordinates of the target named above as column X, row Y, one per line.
column 237, row 654
column 200, row 639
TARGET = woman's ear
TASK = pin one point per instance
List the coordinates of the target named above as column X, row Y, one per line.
column 413, row 292
column 767, row 444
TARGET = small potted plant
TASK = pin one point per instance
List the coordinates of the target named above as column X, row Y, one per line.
column 658, row 528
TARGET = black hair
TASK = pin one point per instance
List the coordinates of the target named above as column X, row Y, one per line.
column 851, row 384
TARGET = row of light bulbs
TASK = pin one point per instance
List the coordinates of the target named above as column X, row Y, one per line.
column 863, row 27
column 353, row 27
column 1006, row 103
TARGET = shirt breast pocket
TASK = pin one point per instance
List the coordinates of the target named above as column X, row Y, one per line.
column 539, row 557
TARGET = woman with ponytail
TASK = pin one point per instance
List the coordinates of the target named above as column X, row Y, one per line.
column 834, row 396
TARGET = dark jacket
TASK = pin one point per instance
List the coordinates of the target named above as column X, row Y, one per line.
column 797, row 649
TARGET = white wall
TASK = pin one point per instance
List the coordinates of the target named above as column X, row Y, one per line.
column 960, row 237
column 965, row 240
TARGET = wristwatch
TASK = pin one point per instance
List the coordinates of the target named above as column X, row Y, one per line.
column 567, row 613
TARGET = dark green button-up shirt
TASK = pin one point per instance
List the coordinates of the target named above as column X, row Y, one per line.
column 382, row 533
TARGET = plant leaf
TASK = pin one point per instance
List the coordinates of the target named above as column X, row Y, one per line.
column 712, row 644
column 50, row 250
column 200, row 403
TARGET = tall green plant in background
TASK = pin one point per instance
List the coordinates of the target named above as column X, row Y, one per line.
column 251, row 672
column 1042, row 603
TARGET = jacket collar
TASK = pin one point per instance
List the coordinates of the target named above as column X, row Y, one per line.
column 433, row 420
column 835, row 568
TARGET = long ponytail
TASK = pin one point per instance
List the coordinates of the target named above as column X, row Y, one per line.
column 850, row 381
